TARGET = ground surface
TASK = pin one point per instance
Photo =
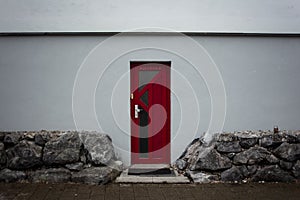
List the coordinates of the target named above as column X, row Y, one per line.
column 150, row 191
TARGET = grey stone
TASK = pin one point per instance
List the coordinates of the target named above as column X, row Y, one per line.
column 82, row 158
column 270, row 141
column 252, row 169
column 189, row 148
column 181, row 164
column 95, row 175
column 200, row 177
column 2, row 135
column 247, row 135
column 244, row 170
column 7, row 175
column 2, row 158
column 2, row 154
column 272, row 159
column 40, row 139
column 246, row 143
column 297, row 134
column 190, row 154
column 285, row 165
column 296, row 169
column 277, row 137
column 232, row 174
column 229, row 147
column 289, row 152
column 255, row 155
column 2, row 147
column 88, row 165
column 99, row 147
column 52, row 175
column 254, row 162
column 24, row 155
column 116, row 165
column 230, row 155
column 75, row 166
column 62, row 150
column 211, row 160
column 292, row 136
column 12, row 138
column 272, row 173
column 29, row 135
column 227, row 137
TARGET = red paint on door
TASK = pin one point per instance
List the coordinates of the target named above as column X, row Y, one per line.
column 150, row 112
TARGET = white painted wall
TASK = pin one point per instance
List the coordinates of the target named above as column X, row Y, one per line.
column 37, row 77
column 120, row 15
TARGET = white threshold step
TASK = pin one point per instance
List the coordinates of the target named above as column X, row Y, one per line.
column 150, row 166
column 125, row 178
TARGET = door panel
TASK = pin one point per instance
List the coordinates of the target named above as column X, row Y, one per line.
column 150, row 112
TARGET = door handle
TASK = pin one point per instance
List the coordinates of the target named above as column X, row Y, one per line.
column 136, row 111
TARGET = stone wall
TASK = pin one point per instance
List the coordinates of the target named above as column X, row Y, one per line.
column 57, row 156
column 242, row 157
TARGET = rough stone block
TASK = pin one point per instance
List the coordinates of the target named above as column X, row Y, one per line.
column 2, row 135
column 296, row 169
column 24, row 155
column 229, row 147
column 285, row 165
column 246, row 143
column 12, row 138
column 211, row 160
column 75, row 166
column 289, row 152
column 62, row 150
column 52, row 175
column 232, row 174
column 94, row 175
column 200, row 177
column 181, row 164
column 255, row 155
column 272, row 174
column 2, row 154
column 99, row 147
column 270, row 141
column 7, row 175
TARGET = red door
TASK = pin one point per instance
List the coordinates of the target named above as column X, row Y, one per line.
column 150, row 112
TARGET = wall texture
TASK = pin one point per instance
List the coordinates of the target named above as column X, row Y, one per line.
column 38, row 75
column 119, row 15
